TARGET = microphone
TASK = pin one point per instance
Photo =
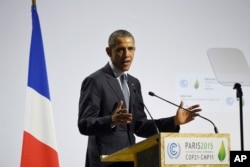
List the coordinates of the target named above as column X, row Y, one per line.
column 153, row 94
column 157, row 130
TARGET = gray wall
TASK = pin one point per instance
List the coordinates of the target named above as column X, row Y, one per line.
column 172, row 38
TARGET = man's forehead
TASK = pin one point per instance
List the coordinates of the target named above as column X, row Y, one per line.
column 121, row 40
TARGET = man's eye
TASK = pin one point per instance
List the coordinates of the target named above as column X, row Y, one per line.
column 119, row 49
column 131, row 48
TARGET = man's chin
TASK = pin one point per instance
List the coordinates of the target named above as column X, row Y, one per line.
column 125, row 68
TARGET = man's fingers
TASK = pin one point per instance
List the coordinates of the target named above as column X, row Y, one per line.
column 122, row 116
column 119, row 105
column 181, row 104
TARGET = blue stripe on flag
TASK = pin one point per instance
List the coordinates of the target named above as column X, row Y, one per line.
column 37, row 78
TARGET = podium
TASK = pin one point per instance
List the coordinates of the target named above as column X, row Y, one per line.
column 176, row 149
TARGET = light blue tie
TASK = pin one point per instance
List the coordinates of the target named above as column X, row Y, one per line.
column 125, row 89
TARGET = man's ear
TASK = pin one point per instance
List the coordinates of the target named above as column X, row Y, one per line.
column 108, row 51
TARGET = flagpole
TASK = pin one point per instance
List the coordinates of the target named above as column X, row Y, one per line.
column 33, row 2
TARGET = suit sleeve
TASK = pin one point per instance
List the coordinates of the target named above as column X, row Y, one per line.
column 167, row 125
column 89, row 120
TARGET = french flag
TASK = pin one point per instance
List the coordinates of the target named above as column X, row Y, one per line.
column 39, row 141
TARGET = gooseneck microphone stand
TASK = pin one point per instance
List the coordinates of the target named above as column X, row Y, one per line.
column 239, row 95
column 153, row 94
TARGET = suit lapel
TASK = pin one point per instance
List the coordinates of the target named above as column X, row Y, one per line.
column 112, row 82
column 116, row 88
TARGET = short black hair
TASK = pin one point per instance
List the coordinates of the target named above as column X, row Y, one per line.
column 118, row 33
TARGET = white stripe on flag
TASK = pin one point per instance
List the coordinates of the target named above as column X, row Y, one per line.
column 39, row 118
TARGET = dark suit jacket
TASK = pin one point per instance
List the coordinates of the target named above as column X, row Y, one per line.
column 100, row 93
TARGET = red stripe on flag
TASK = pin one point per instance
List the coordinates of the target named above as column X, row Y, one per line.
column 37, row 154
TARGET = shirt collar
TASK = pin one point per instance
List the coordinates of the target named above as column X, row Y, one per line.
column 116, row 71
